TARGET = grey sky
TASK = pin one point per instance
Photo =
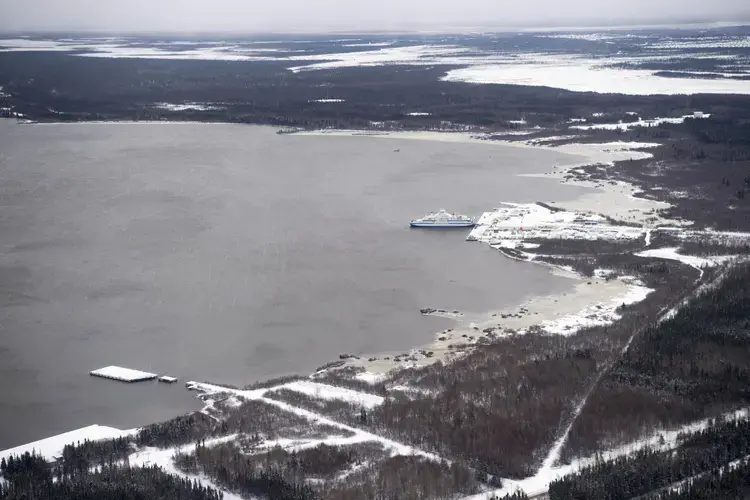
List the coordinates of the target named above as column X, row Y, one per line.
column 321, row 15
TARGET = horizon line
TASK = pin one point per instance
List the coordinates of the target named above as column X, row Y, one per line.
column 467, row 29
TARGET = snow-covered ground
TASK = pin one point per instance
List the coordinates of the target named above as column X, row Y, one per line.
column 147, row 457
column 369, row 377
column 598, row 313
column 188, row 106
column 639, row 123
column 584, row 74
column 513, row 222
column 395, row 447
column 659, row 441
column 571, row 71
column 329, row 392
column 672, row 253
column 53, row 445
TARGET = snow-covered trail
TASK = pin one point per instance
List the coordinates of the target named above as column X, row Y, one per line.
column 259, row 395
column 163, row 458
column 659, row 441
column 554, row 455
column 538, row 483
column 670, row 253
column 679, row 485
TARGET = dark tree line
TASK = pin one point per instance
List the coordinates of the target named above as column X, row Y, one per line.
column 250, row 417
column 649, row 470
column 78, row 459
column 29, row 477
column 362, row 471
column 54, row 86
column 725, row 484
column 693, row 365
column 403, row 478
column 232, row 469
column 500, row 407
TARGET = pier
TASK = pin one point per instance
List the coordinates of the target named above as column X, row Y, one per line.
column 123, row 374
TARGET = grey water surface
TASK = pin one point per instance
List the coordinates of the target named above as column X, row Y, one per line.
column 231, row 254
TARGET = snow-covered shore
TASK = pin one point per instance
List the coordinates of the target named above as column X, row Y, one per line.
column 590, row 302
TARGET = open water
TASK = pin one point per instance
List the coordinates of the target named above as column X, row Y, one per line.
column 231, row 254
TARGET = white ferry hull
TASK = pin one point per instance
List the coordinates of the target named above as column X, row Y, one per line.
column 442, row 225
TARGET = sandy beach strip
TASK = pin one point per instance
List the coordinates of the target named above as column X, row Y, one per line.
column 590, row 301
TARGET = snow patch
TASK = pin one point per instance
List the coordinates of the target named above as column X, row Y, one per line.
column 693, row 261
column 584, row 74
column 369, row 377
column 601, row 313
column 639, row 123
column 513, row 222
column 329, row 392
column 188, row 106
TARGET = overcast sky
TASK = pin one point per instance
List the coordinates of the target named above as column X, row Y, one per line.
column 323, row 15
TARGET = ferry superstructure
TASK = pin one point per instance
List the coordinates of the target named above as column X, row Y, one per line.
column 443, row 219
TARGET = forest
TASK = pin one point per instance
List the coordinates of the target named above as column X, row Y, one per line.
column 496, row 411
column 29, row 477
column 314, row 473
column 694, row 364
column 48, row 86
column 516, row 389
column 700, row 454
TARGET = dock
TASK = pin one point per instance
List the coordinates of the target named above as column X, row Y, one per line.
column 123, row 374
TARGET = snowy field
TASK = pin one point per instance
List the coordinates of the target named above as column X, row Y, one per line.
column 614, row 61
column 512, row 223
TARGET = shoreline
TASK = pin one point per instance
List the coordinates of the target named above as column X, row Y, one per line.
column 463, row 335
column 590, row 301
column 529, row 311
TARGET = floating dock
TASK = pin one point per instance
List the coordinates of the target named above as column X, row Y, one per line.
column 123, row 374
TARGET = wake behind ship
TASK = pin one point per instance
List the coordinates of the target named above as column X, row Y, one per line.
column 443, row 219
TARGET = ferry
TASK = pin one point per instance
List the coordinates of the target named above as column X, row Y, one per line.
column 443, row 219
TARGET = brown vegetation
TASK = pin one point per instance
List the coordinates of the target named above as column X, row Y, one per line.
column 695, row 364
